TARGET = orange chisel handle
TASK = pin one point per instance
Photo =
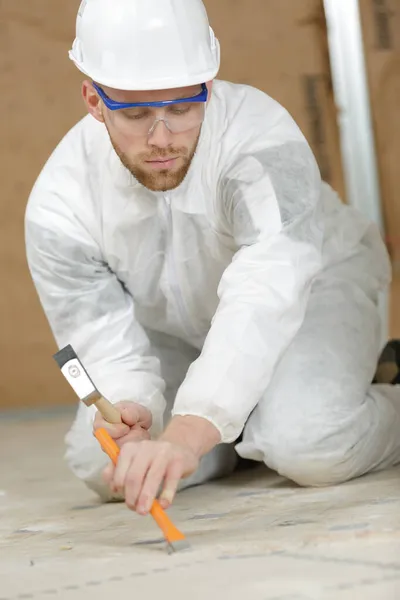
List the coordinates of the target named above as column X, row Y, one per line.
column 171, row 533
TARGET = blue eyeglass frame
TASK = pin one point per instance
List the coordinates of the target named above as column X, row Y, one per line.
column 114, row 105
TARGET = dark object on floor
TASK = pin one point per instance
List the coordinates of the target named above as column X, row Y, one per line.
column 244, row 464
column 388, row 370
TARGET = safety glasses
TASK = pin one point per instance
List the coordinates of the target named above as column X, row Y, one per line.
column 114, row 105
column 141, row 118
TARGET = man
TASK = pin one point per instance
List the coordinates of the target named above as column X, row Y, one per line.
column 180, row 238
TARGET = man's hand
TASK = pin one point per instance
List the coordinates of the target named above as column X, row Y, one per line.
column 136, row 421
column 142, row 469
column 146, row 466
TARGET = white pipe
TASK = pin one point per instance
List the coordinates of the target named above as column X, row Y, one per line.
column 354, row 113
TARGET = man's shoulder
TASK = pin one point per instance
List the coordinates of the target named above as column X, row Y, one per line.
column 81, row 143
column 247, row 121
column 243, row 100
column 81, row 148
column 63, row 180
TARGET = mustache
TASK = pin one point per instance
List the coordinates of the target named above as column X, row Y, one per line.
column 167, row 153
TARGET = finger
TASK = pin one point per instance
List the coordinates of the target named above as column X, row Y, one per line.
column 136, row 434
column 171, row 481
column 108, row 473
column 125, row 459
column 136, row 477
column 145, row 417
column 152, row 484
column 116, row 431
column 133, row 413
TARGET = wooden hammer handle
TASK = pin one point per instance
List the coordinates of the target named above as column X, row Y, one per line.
column 108, row 411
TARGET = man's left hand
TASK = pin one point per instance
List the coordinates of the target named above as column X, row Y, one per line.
column 144, row 466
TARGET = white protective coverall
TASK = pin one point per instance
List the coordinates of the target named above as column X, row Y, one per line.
column 247, row 296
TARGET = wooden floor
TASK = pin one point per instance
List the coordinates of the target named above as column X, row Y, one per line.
column 254, row 536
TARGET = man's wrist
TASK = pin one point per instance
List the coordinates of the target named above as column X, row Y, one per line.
column 197, row 433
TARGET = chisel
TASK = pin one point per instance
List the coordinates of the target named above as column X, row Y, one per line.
column 77, row 376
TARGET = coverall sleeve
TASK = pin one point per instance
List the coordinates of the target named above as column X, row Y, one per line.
column 271, row 195
column 88, row 307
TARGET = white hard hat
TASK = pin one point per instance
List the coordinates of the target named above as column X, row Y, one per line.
column 145, row 44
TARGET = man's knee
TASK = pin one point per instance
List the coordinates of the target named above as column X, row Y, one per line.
column 319, row 438
column 89, row 469
column 309, row 459
column 311, row 467
column 103, row 491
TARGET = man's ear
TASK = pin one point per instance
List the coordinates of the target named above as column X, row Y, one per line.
column 92, row 101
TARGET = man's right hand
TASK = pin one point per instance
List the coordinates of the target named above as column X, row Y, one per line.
column 136, row 421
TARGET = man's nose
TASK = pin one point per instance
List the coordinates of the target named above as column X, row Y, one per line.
column 160, row 135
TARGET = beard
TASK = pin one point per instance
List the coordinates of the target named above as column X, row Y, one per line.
column 163, row 180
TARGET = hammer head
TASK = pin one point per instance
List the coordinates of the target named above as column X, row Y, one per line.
column 76, row 375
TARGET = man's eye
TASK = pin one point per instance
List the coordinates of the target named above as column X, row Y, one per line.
column 180, row 109
column 135, row 116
